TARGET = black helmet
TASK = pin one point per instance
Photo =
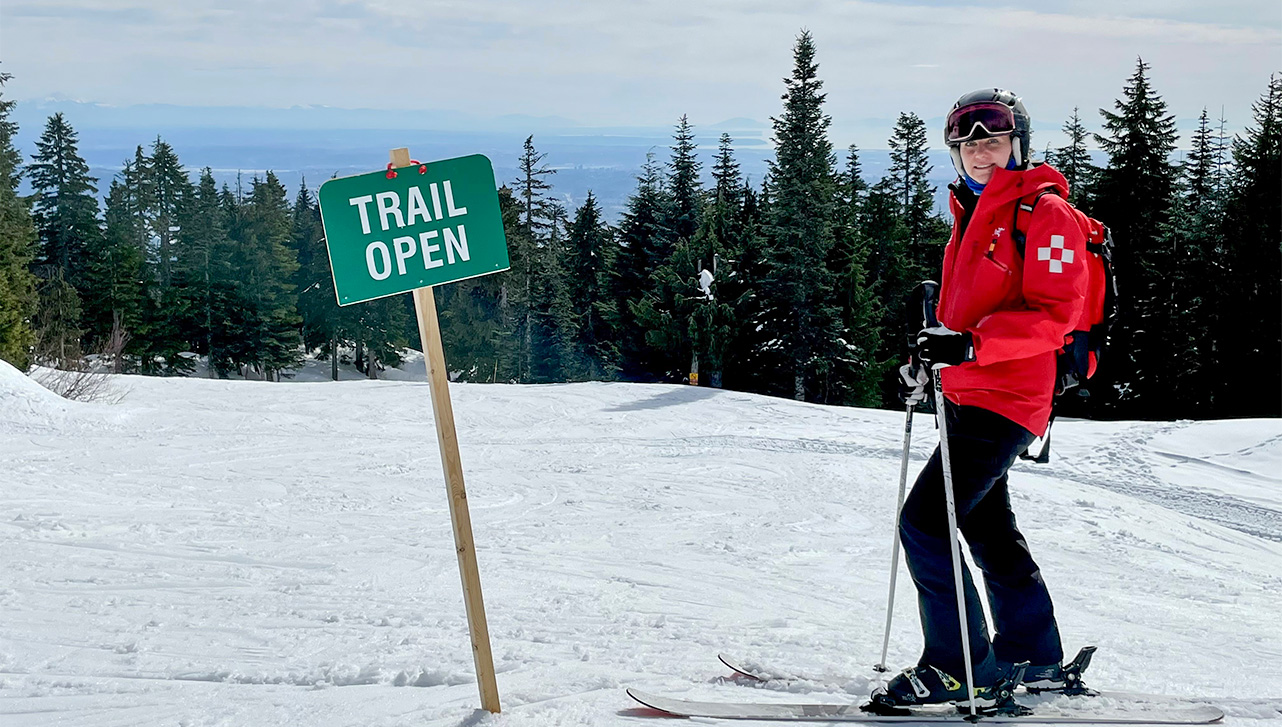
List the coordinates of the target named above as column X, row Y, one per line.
column 988, row 112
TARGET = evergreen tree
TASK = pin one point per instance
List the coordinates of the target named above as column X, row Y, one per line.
column 1133, row 196
column 1190, row 243
column 727, row 195
column 203, row 268
column 802, row 312
column 169, row 190
column 1074, row 161
column 1202, row 167
column 644, row 245
column 478, row 319
column 113, row 310
column 265, row 310
column 909, row 177
column 533, row 191
column 1249, row 293
column 327, row 327
column 856, row 375
column 556, row 325
column 136, row 177
column 66, row 208
column 681, row 314
column 526, row 252
column 66, row 213
column 17, row 249
column 889, row 273
column 588, row 261
column 684, row 188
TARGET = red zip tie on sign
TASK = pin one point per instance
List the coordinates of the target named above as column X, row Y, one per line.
column 391, row 170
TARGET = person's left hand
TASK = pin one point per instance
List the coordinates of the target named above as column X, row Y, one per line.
column 942, row 346
column 913, row 380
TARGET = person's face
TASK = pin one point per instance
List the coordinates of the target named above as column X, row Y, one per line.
column 981, row 156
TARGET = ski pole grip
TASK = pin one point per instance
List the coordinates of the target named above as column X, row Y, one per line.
column 929, row 300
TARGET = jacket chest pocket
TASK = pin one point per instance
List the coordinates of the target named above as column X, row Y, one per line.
column 992, row 285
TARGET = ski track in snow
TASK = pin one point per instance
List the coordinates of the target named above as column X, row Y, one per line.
column 247, row 553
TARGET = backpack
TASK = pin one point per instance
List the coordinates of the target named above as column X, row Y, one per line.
column 1083, row 348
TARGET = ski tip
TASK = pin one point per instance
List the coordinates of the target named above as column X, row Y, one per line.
column 738, row 668
column 649, row 701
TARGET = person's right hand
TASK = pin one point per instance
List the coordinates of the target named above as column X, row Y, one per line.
column 913, row 380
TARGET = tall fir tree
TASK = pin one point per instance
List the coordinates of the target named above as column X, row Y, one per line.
column 170, row 191
column 856, row 375
column 684, row 188
column 909, row 176
column 802, row 311
column 1190, row 242
column 66, row 205
column 526, row 253
column 327, row 328
column 66, row 213
column 644, row 243
column 113, row 308
column 555, row 322
column 203, row 268
column 266, row 303
column 1074, row 160
column 727, row 194
column 588, row 262
column 1202, row 166
column 681, row 314
column 161, row 191
column 17, row 248
column 890, row 272
column 1133, row 197
column 478, row 318
column 1249, row 293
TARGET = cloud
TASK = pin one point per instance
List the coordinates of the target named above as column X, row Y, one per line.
column 642, row 62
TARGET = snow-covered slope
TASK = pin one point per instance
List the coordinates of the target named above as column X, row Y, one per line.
column 247, row 553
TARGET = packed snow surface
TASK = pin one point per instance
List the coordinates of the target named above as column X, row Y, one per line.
column 248, row 553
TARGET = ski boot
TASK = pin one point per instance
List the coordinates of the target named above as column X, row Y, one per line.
column 919, row 686
column 1066, row 679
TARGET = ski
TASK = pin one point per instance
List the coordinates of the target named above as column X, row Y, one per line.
column 758, row 673
column 1074, row 669
column 1164, row 715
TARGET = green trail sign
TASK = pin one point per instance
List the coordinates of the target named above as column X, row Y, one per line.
column 429, row 224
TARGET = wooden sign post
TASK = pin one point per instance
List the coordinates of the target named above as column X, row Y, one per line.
column 429, row 332
column 407, row 230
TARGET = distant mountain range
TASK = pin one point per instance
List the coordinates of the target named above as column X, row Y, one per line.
column 315, row 143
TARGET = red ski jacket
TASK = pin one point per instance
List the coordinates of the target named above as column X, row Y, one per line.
column 1017, row 308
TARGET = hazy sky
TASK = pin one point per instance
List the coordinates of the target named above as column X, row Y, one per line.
column 641, row 62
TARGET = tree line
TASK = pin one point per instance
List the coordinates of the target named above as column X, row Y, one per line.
column 791, row 286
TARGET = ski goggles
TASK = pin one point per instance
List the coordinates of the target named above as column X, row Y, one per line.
column 995, row 119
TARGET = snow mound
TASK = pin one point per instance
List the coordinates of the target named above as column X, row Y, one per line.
column 25, row 402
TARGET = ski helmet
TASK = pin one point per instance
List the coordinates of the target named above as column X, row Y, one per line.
column 984, row 113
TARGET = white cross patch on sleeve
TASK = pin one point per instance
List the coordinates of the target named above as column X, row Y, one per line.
column 1065, row 255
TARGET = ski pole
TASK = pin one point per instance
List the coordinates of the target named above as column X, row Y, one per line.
column 942, row 416
column 921, row 300
column 894, row 552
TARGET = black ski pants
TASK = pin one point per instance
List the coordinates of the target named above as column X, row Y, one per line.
column 982, row 446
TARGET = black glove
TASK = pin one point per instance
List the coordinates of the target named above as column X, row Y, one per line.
column 940, row 346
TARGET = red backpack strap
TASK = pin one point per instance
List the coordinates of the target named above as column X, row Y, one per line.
column 1027, row 204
